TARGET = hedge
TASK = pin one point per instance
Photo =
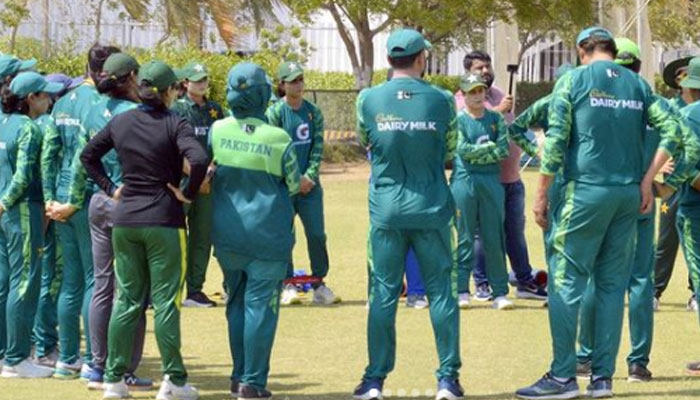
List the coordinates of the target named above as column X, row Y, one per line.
column 338, row 107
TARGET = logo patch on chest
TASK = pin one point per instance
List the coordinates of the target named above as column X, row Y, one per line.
column 303, row 132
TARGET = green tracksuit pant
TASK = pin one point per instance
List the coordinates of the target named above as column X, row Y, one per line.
column 592, row 239
column 309, row 208
column 688, row 223
column 434, row 249
column 21, row 242
column 199, row 215
column 76, row 286
column 143, row 256
column 553, row 196
column 252, row 310
column 480, row 201
column 641, row 301
column 45, row 332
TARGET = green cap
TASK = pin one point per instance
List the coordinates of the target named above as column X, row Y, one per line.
column 406, row 42
column 469, row 82
column 11, row 65
column 194, row 71
column 180, row 73
column 157, row 74
column 672, row 69
column 289, row 71
column 627, row 51
column 120, row 64
column 692, row 81
column 594, row 31
column 32, row 82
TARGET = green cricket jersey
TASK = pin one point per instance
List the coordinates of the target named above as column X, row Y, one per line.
column 689, row 200
column 482, row 144
column 305, row 127
column 61, row 144
column 201, row 117
column 536, row 114
column 597, row 125
column 20, row 145
column 256, row 175
column 98, row 117
column 678, row 102
column 410, row 126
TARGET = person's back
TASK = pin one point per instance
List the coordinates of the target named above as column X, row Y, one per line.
column 14, row 129
column 600, row 152
column 407, row 122
column 149, row 137
column 69, row 113
column 251, row 158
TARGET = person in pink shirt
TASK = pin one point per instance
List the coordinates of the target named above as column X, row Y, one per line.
column 516, row 247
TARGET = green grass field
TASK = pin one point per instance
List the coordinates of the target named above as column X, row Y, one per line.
column 320, row 352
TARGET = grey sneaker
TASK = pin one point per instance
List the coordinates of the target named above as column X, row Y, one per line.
column 600, row 388
column 638, row 373
column 416, row 301
column 693, row 368
column 549, row 388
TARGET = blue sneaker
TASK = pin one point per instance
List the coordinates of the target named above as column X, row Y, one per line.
column 449, row 389
column 368, row 389
column 549, row 388
column 86, row 372
column 96, row 379
column 600, row 388
column 138, row 384
column 483, row 292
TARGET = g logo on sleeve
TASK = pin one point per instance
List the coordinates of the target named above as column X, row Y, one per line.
column 303, row 132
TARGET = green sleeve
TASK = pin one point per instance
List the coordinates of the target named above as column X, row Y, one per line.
column 673, row 135
column 469, row 151
column 50, row 147
column 501, row 149
column 361, row 129
column 272, row 114
column 684, row 167
column 536, row 114
column 78, row 178
column 290, row 169
column 559, row 129
column 452, row 136
column 28, row 151
column 316, row 155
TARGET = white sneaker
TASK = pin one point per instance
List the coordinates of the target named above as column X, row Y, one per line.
column 692, row 304
column 657, row 304
column 48, row 360
column 117, row 390
column 502, row 303
column 290, row 295
column 323, row 295
column 464, row 300
column 170, row 391
column 26, row 369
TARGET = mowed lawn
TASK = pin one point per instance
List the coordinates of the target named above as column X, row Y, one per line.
column 320, row 352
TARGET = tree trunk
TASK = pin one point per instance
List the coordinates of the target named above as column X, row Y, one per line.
column 366, row 57
column 98, row 21
column 13, row 38
column 45, row 29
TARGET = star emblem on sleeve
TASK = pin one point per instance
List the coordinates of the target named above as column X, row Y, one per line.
column 664, row 208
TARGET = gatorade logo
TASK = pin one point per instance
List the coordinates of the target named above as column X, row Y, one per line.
column 303, row 132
